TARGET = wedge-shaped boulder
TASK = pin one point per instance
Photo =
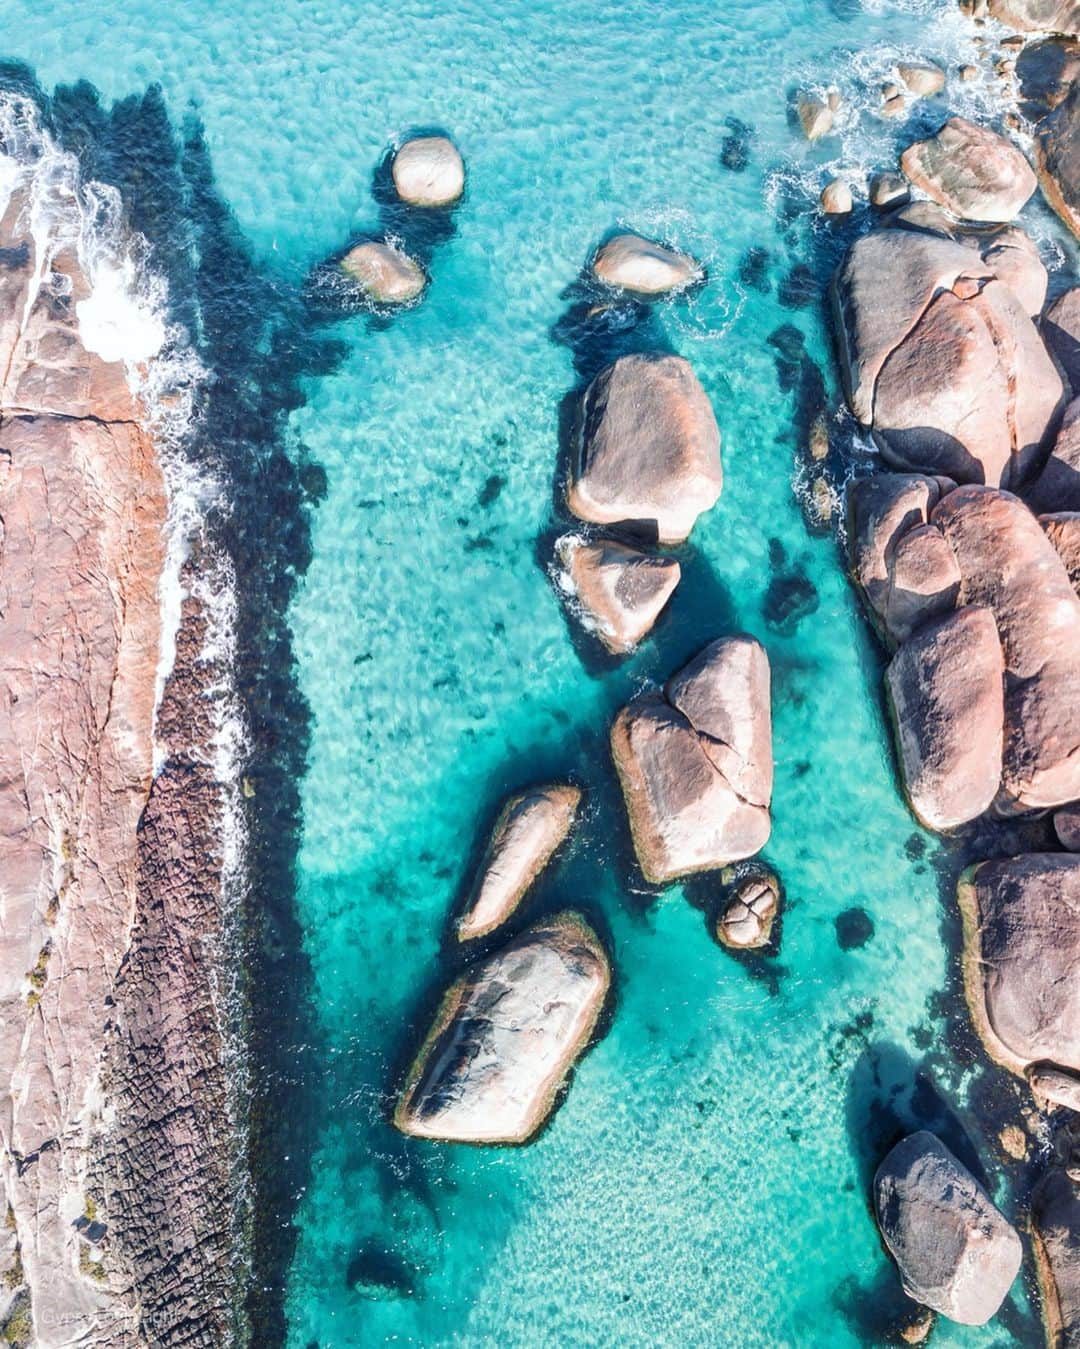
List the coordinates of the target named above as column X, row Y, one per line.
column 621, row 590
column 695, row 764
column 505, row 1036
column 955, row 1251
column 630, row 262
column 530, row 827
column 648, row 448
column 1021, row 952
column 1057, row 487
column 924, row 581
column 1055, row 1232
column 940, row 358
column 945, row 688
column 971, row 171
column 1008, row 565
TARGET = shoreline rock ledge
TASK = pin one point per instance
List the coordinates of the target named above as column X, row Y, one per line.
column 955, row 1251
column 114, row 1101
column 505, row 1036
column 695, row 763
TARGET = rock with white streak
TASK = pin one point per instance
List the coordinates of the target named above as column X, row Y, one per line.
column 621, row 590
column 955, row 1251
column 530, row 827
column 505, row 1037
column 695, row 763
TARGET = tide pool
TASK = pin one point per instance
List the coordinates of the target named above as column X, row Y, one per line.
column 706, row 1180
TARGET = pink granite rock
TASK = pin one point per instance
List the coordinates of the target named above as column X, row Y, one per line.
column 971, row 171
column 621, row 590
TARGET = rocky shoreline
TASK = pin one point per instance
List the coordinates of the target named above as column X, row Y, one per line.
column 961, row 543
column 120, row 1149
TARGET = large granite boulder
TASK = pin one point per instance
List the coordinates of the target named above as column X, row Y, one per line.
column 1008, row 565
column 642, row 266
column 1021, row 946
column 883, row 511
column 1055, row 1232
column 1057, row 486
column 1038, row 16
column 384, row 273
column 647, row 448
column 971, row 171
column 1057, row 145
column 428, row 171
column 505, row 1036
column 621, row 590
column 695, row 763
column 955, row 1251
column 945, row 691
column 940, row 358
column 530, row 827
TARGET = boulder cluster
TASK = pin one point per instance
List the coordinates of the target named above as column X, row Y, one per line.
column 694, row 760
column 966, row 551
column 427, row 173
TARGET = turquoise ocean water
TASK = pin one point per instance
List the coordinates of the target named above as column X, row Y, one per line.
column 706, row 1180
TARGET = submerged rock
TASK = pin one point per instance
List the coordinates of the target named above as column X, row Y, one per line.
column 505, row 1036
column 695, row 763
column 648, row 448
column 1021, row 946
column 971, row 171
column 621, row 589
column 428, row 171
column 955, row 1251
column 530, row 827
column 945, row 691
column 939, row 357
column 746, row 920
column 384, row 273
column 642, row 266
column 1055, row 1233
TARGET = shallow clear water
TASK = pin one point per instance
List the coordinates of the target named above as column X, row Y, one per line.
column 706, row 1179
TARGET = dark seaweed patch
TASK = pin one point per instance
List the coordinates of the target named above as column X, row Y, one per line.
column 854, row 928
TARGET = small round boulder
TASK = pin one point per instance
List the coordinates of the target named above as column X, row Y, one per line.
column 836, row 198
column 746, row 920
column 630, row 262
column 428, row 171
column 383, row 273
